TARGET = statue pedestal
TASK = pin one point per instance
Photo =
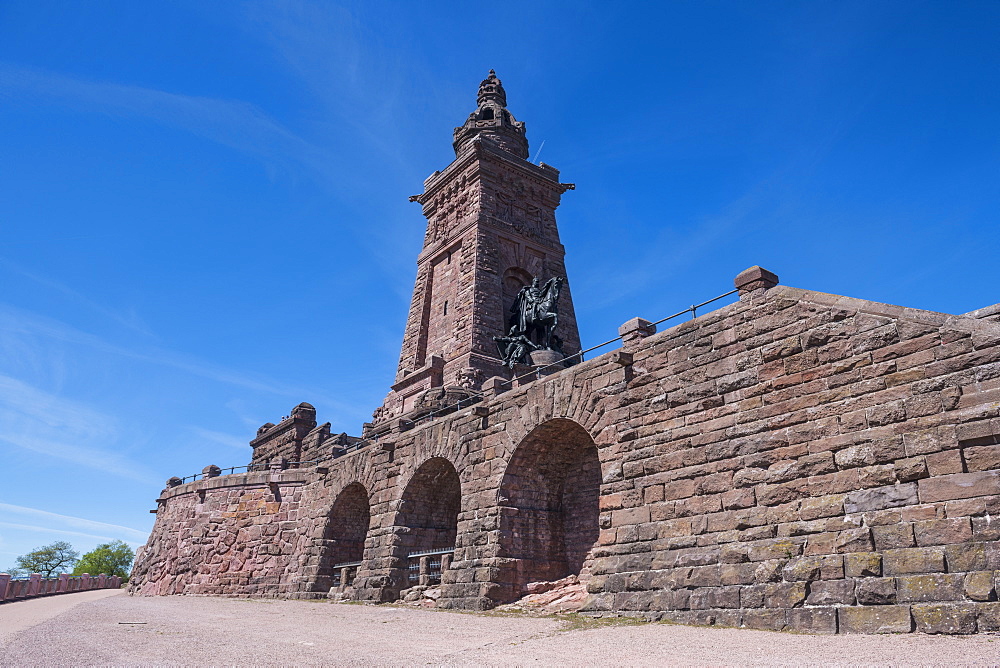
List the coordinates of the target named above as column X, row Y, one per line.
column 543, row 358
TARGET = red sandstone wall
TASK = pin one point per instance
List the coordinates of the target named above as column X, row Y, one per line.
column 792, row 461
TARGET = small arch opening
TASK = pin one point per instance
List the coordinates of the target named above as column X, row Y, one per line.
column 345, row 533
column 549, row 506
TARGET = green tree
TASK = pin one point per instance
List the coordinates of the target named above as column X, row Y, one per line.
column 114, row 558
column 49, row 560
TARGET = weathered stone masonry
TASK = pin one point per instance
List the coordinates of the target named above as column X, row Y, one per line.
column 794, row 460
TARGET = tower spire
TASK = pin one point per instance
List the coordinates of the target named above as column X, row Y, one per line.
column 491, row 121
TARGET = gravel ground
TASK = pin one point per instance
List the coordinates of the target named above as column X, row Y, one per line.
column 219, row 631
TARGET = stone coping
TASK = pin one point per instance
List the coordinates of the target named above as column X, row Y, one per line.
column 249, row 479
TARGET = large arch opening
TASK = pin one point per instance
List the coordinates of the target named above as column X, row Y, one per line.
column 430, row 506
column 549, row 506
column 344, row 537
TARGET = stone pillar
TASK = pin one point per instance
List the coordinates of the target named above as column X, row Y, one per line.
column 210, row 471
column 63, row 583
column 344, row 572
column 34, row 584
column 634, row 331
column 102, row 581
column 754, row 278
column 425, row 571
column 85, row 582
column 445, row 562
column 495, row 385
column 4, row 583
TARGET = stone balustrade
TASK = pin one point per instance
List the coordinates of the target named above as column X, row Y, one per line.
column 16, row 589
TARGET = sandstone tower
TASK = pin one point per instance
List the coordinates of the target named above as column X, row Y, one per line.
column 491, row 229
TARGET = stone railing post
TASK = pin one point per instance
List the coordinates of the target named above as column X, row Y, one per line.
column 754, row 278
column 63, row 586
column 634, row 331
column 4, row 583
column 102, row 581
column 446, row 562
column 85, row 582
column 35, row 584
column 493, row 386
column 425, row 571
column 344, row 573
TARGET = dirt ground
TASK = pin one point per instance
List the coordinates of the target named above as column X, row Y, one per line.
column 117, row 629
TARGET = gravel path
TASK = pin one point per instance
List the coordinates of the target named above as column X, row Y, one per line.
column 219, row 631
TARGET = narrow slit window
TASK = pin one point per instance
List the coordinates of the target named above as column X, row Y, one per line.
column 446, row 307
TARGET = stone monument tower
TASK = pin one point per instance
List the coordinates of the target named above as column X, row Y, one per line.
column 491, row 230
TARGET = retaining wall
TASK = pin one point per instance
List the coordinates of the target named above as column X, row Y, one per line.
column 12, row 589
column 795, row 460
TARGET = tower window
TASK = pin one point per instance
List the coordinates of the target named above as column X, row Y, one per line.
column 446, row 307
column 487, row 114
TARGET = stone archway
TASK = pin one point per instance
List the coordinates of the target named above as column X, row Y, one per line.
column 344, row 536
column 549, row 506
column 429, row 507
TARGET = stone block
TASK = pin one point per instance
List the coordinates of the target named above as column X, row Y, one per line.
column 913, row 468
column 775, row 549
column 813, row 620
column 965, row 557
column 784, row 594
column 959, row 486
column 803, row 569
column 933, row 587
column 988, row 617
column 944, row 462
column 948, row 618
column 889, row 496
column 863, row 564
column 754, row 278
column 855, row 540
column 766, row 619
column 982, row 458
column 875, row 591
column 913, row 560
column 979, row 586
column 893, row 536
column 831, row 592
column 943, row 532
column 877, row 619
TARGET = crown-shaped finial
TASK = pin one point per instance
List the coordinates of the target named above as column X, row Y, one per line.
column 492, row 89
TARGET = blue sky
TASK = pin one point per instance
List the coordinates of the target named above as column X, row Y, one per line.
column 204, row 210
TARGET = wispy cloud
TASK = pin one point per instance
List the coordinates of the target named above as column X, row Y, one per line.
column 69, row 524
column 130, row 321
column 229, row 440
column 14, row 321
column 46, row 424
column 238, row 125
column 19, row 328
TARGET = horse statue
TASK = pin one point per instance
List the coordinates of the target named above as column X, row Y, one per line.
column 534, row 311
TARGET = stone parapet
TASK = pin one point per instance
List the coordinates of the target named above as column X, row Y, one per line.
column 794, row 461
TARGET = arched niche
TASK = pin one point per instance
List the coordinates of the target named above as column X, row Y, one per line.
column 346, row 530
column 430, row 506
column 548, row 502
column 514, row 278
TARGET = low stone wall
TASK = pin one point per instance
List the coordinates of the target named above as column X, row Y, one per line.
column 12, row 589
column 794, row 460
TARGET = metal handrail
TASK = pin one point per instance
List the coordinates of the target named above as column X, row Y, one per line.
column 428, row 553
column 249, row 468
column 537, row 373
column 470, row 400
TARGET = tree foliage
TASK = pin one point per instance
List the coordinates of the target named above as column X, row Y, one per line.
column 114, row 558
column 49, row 560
